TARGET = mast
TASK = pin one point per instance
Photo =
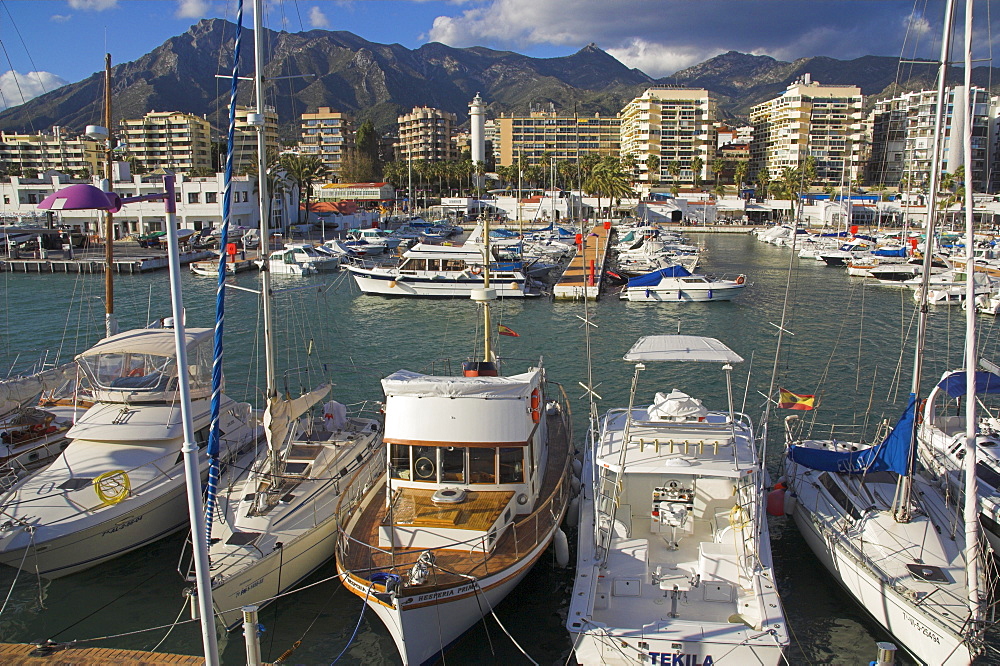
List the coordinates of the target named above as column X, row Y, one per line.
column 265, row 272
column 110, row 323
column 901, row 508
column 971, row 508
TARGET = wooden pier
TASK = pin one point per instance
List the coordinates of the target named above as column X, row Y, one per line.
column 584, row 275
column 90, row 264
column 18, row 654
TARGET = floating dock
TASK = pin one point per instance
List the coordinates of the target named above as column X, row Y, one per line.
column 583, row 276
column 92, row 264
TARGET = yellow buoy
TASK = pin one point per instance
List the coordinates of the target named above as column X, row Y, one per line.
column 392, row 285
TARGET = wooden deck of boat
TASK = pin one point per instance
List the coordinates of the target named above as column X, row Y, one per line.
column 18, row 654
column 509, row 547
column 575, row 281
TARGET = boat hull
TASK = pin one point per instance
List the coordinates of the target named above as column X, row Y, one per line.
column 390, row 285
column 881, row 601
column 683, row 295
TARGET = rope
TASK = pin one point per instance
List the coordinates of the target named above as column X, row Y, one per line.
column 100, row 608
column 16, row 575
column 500, row 624
column 176, row 620
column 357, row 626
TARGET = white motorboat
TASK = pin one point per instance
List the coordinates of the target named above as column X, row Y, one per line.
column 674, row 557
column 443, row 270
column 119, row 485
column 302, row 259
column 379, row 240
column 477, row 485
column 675, row 284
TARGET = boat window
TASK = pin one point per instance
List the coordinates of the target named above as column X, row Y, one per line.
column 453, row 265
column 425, row 463
column 512, row 465
column 399, row 462
column 453, row 464
column 987, row 474
column 839, row 496
column 433, row 264
column 135, row 372
column 482, row 465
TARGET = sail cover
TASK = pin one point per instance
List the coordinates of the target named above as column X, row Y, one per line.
column 892, row 455
column 954, row 384
column 653, row 279
column 15, row 392
column 281, row 412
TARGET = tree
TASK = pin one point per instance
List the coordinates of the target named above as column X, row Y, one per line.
column 201, row 172
column 30, row 172
column 718, row 166
column 358, row 166
column 304, row 171
column 719, row 191
column 696, row 165
column 608, row 180
column 653, row 169
column 740, row 172
column 809, row 171
column 674, row 169
column 762, row 180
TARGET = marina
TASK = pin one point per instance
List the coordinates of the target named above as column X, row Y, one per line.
column 132, row 592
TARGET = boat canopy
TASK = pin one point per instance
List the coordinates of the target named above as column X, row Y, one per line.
column 954, row 383
column 653, row 279
column 892, row 455
column 155, row 341
column 890, row 252
column 464, row 411
column 681, row 348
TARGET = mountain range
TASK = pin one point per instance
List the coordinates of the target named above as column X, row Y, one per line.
column 379, row 81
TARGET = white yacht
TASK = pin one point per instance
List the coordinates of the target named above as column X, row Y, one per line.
column 674, row 556
column 119, row 485
column 302, row 259
column 675, row 284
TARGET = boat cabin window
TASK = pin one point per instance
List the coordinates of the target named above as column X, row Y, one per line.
column 839, row 496
column 482, row 465
column 452, row 265
column 986, row 473
column 414, row 265
column 433, row 264
column 133, row 372
column 512, row 465
column 457, row 464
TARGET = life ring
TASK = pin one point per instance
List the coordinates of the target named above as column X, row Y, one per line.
column 536, row 406
column 424, row 467
column 38, row 428
column 137, row 372
column 920, row 411
column 741, row 279
column 476, row 270
column 112, row 487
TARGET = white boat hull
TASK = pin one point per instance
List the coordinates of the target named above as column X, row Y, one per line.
column 432, row 622
column 683, row 295
column 882, row 602
column 444, row 287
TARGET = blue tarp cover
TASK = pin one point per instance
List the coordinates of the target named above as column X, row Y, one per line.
column 653, row 279
column 954, row 384
column 883, row 252
column 892, row 455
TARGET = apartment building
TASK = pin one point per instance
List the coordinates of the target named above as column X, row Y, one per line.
column 902, row 133
column 56, row 150
column 426, row 134
column 674, row 125
column 172, row 140
column 813, row 120
column 245, row 138
column 328, row 135
column 563, row 137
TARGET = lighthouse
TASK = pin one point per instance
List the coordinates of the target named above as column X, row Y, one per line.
column 477, row 119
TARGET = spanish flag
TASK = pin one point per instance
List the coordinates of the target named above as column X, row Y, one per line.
column 504, row 330
column 789, row 400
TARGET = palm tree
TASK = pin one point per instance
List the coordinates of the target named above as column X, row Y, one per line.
column 719, row 191
column 740, row 172
column 763, row 180
column 696, row 164
column 608, row 180
column 653, row 169
column 304, row 171
column 674, row 169
column 718, row 166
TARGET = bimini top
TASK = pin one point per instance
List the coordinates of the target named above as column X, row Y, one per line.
column 954, row 383
column 156, row 341
column 407, row 383
column 681, row 348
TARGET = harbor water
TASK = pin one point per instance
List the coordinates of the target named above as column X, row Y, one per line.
column 848, row 342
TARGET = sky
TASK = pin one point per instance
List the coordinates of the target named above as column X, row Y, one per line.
column 48, row 43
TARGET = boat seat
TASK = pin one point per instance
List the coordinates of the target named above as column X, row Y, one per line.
column 718, row 562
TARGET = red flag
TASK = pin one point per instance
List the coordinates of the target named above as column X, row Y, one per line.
column 789, row 400
column 504, row 330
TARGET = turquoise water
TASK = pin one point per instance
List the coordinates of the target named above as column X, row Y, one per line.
column 849, row 347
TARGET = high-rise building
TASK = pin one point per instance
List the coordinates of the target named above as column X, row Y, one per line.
column 902, row 132
column 563, row 137
column 328, row 135
column 245, row 138
column 813, row 120
column 674, row 126
column 426, row 134
column 169, row 140
column 58, row 150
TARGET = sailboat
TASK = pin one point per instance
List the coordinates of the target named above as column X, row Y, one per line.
column 674, row 557
column 477, row 483
column 276, row 520
column 883, row 529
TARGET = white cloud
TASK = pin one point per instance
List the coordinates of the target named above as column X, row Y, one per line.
column 192, row 8
column 317, row 18
column 93, row 5
column 658, row 60
column 15, row 84
column 60, row 18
